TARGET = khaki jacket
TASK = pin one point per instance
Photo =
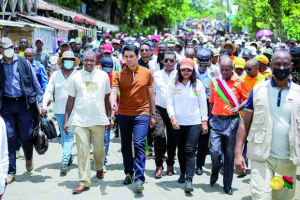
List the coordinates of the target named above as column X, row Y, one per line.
column 261, row 129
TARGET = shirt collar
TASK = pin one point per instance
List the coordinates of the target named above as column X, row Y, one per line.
column 86, row 72
column 273, row 84
column 136, row 69
column 33, row 62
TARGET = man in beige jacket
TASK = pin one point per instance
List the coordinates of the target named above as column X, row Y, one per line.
column 272, row 128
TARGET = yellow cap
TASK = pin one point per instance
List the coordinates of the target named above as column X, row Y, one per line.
column 239, row 63
column 276, row 183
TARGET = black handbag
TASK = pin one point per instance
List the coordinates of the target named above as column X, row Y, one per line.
column 40, row 140
column 48, row 128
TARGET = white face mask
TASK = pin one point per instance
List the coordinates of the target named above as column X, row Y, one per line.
column 9, row 53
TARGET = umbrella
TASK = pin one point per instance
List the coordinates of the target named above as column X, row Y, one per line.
column 264, row 33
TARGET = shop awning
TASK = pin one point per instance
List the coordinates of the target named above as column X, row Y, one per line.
column 42, row 5
column 21, row 24
column 43, row 20
column 54, row 23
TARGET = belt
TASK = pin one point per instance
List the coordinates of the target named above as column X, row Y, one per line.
column 226, row 117
column 17, row 99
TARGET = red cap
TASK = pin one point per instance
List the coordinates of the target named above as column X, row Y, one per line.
column 187, row 63
column 107, row 48
column 40, row 39
column 60, row 38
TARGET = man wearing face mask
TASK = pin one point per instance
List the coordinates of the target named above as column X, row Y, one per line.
column 20, row 91
column 157, row 64
column 89, row 91
column 272, row 132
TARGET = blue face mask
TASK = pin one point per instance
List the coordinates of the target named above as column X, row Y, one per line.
column 68, row 64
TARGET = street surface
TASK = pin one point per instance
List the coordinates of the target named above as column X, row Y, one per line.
column 45, row 182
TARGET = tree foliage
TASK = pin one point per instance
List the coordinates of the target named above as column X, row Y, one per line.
column 278, row 15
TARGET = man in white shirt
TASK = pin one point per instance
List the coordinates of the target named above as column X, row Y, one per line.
column 161, row 142
column 157, row 64
column 89, row 95
column 3, row 157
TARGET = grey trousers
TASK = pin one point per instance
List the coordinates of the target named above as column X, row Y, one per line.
column 223, row 134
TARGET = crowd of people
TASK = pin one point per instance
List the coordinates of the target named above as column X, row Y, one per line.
column 232, row 98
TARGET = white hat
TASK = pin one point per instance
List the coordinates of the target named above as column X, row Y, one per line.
column 253, row 50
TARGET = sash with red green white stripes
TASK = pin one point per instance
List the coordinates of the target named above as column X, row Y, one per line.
column 225, row 92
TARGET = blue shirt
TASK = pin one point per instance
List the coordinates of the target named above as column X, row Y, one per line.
column 13, row 87
column 249, row 103
column 40, row 71
column 205, row 79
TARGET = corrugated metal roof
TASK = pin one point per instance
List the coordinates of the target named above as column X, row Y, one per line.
column 21, row 24
column 42, row 5
column 59, row 25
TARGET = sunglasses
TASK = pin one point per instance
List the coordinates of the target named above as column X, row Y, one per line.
column 131, row 57
column 186, row 70
column 248, row 69
column 169, row 59
column 144, row 50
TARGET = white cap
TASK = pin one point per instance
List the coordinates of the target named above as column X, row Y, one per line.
column 253, row 50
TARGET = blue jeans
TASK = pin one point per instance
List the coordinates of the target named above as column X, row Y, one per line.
column 67, row 140
column 136, row 128
column 106, row 144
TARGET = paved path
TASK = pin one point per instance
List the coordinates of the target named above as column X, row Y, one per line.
column 45, row 182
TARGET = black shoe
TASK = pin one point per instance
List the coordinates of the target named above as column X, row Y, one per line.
column 181, row 178
column 213, row 178
column 228, row 191
column 128, row 179
column 188, row 186
column 70, row 161
column 222, row 171
column 199, row 171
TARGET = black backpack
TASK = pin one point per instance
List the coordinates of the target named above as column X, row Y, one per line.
column 48, row 127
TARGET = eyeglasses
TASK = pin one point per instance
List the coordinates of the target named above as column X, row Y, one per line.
column 248, row 69
column 144, row 50
column 166, row 60
column 186, row 70
column 131, row 57
column 89, row 60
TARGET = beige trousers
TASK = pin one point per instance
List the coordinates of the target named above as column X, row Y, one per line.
column 261, row 174
column 83, row 136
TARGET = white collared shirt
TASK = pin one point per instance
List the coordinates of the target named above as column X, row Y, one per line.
column 58, row 86
column 187, row 104
column 89, row 90
column 161, row 80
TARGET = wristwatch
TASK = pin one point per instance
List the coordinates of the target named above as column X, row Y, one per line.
column 113, row 118
column 153, row 114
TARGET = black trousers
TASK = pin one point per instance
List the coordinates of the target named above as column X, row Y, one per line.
column 186, row 139
column 163, row 128
column 203, row 146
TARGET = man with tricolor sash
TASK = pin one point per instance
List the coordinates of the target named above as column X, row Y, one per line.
column 272, row 129
column 228, row 97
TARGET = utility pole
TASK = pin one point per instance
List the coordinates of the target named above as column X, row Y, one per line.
column 228, row 6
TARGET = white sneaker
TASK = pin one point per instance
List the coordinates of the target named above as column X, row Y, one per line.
column 104, row 169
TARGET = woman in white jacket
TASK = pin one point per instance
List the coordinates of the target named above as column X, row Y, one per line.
column 57, row 86
column 3, row 157
column 187, row 109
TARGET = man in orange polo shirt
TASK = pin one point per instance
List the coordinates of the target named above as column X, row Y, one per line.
column 136, row 99
column 252, row 76
column 224, row 123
